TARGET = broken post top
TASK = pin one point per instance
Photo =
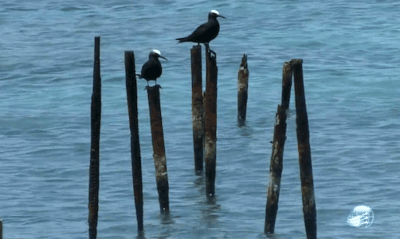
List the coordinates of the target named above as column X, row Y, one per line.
column 152, row 87
column 212, row 57
column 296, row 61
column 287, row 75
column 130, row 72
column 196, row 47
column 243, row 75
column 286, row 66
column 243, row 65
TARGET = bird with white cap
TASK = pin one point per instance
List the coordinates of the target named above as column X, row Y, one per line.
column 205, row 32
column 152, row 69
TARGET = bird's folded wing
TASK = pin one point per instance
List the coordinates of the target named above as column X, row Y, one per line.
column 199, row 31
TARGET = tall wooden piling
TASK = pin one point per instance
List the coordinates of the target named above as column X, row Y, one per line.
column 1, row 229
column 275, row 170
column 210, row 122
column 95, row 144
column 303, row 145
column 131, row 93
column 286, row 84
column 157, row 134
column 204, row 119
column 243, row 85
column 197, row 108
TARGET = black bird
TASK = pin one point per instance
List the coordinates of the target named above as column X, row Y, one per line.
column 152, row 69
column 205, row 32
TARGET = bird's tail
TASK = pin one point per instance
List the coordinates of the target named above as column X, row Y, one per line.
column 183, row 39
column 139, row 75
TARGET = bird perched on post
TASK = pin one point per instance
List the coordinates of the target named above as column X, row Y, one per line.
column 205, row 32
column 152, row 69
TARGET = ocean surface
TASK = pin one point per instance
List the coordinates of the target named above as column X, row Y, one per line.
column 351, row 60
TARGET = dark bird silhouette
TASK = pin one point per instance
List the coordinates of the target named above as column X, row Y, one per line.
column 152, row 69
column 205, row 32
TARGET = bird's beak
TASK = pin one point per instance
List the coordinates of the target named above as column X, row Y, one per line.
column 163, row 57
column 221, row 16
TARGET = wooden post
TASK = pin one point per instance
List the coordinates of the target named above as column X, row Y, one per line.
column 204, row 119
column 197, row 108
column 157, row 134
column 286, row 84
column 243, row 84
column 275, row 170
column 303, row 145
column 210, row 123
column 95, row 144
column 131, row 93
column 1, row 229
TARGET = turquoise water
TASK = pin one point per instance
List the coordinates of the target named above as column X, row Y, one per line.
column 351, row 61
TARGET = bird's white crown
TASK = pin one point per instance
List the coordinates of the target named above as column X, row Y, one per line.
column 215, row 11
column 157, row 52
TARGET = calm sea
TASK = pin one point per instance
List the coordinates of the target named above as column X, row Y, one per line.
column 351, row 54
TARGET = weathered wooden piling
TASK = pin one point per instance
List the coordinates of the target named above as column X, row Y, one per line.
column 303, row 145
column 275, row 170
column 95, row 144
column 210, row 122
column 157, row 134
column 131, row 93
column 204, row 119
column 286, row 84
column 243, row 85
column 197, row 108
column 1, row 229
